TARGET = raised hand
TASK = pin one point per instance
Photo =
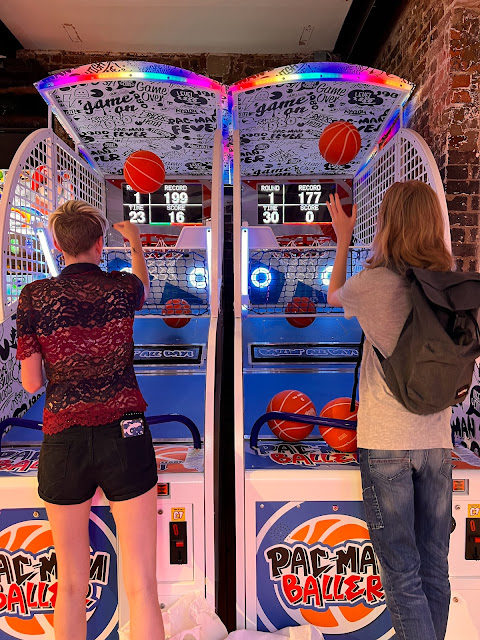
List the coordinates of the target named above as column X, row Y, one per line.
column 129, row 230
column 343, row 224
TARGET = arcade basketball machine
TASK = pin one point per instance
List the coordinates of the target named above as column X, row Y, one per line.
column 303, row 550
column 111, row 110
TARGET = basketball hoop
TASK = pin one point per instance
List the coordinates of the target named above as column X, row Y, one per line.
column 158, row 240
column 298, row 245
column 303, row 240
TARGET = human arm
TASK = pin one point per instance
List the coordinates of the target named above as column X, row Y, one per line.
column 343, row 226
column 33, row 376
column 131, row 233
column 28, row 347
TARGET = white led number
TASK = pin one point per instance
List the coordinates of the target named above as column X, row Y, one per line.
column 309, row 216
column 271, row 217
column 309, row 197
column 176, row 197
column 138, row 217
column 176, row 216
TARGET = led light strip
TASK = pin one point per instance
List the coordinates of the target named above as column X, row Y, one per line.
column 53, row 82
column 326, row 71
column 52, row 267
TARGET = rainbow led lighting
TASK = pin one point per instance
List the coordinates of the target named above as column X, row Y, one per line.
column 325, row 71
column 54, row 82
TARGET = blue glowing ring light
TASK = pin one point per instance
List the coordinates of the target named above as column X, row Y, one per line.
column 198, row 278
column 261, row 277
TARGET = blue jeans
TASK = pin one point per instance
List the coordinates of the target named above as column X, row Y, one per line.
column 408, row 505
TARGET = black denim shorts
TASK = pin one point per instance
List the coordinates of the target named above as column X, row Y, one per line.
column 74, row 462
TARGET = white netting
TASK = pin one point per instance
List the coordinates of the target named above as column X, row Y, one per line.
column 179, row 280
column 368, row 191
column 405, row 157
column 76, row 179
column 44, row 173
column 294, row 280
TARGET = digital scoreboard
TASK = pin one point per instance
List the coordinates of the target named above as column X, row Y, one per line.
column 179, row 203
column 294, row 203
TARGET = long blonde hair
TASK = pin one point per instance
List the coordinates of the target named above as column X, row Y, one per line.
column 410, row 230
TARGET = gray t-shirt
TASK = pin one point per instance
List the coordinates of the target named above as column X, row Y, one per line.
column 380, row 300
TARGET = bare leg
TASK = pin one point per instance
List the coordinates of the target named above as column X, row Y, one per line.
column 136, row 521
column 69, row 525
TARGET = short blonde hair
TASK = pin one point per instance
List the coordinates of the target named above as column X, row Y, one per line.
column 76, row 226
column 410, row 230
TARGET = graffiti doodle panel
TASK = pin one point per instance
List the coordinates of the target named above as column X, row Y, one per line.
column 14, row 400
column 112, row 118
column 280, row 125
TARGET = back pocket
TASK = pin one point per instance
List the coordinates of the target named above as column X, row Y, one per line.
column 136, row 453
column 389, row 467
column 52, row 463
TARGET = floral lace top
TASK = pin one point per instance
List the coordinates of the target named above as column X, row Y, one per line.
column 82, row 324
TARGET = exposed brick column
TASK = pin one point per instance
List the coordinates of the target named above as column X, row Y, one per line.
column 436, row 44
column 463, row 136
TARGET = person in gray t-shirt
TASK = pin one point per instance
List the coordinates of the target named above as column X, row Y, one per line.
column 405, row 458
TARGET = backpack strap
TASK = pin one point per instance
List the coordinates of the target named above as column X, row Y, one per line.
column 475, row 324
column 380, row 356
column 357, row 367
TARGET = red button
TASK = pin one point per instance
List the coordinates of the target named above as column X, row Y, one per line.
column 179, row 543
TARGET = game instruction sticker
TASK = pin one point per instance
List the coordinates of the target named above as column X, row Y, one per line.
column 474, row 510
column 178, row 514
column 178, row 458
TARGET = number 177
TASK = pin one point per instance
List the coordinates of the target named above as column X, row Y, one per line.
column 309, row 197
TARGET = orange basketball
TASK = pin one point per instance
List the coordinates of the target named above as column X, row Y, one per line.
column 340, row 142
column 293, row 402
column 300, row 305
column 176, row 307
column 39, row 177
column 144, row 171
column 338, row 438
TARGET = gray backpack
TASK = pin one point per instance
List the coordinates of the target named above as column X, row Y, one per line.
column 432, row 364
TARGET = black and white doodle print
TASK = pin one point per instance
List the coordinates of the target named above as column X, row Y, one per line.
column 114, row 118
column 14, row 400
column 280, row 123
column 291, row 117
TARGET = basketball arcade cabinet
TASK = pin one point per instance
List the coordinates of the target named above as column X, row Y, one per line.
column 303, row 550
column 110, row 110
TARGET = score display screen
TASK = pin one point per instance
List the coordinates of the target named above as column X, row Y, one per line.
column 177, row 203
column 294, row 203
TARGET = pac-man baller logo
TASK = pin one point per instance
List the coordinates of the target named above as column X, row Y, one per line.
column 28, row 578
column 321, row 571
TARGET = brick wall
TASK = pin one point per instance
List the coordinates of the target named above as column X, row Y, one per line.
column 436, row 44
